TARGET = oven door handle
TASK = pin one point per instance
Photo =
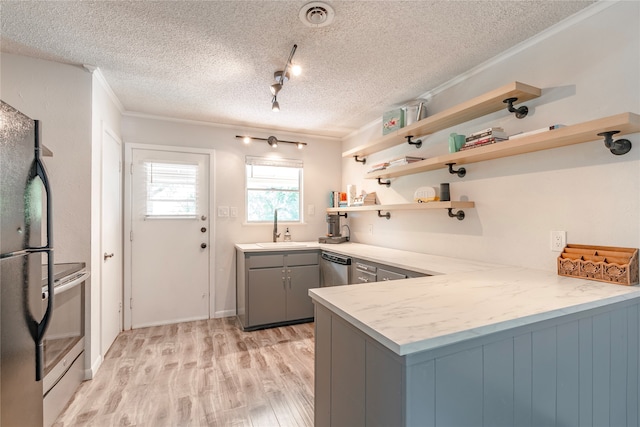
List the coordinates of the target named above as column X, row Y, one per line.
column 63, row 288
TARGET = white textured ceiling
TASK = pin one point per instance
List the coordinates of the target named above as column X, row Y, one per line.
column 214, row 60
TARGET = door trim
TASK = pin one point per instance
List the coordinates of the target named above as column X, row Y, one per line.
column 128, row 159
column 107, row 130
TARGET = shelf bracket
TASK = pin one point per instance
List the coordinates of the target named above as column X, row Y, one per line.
column 339, row 214
column 417, row 143
column 459, row 214
column 387, row 182
column 357, row 159
column 520, row 112
column 460, row 172
column 617, row 147
column 387, row 215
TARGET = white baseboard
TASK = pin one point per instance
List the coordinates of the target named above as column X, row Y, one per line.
column 90, row 373
column 224, row 313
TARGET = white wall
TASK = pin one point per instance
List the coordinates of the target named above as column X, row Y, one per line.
column 321, row 175
column 586, row 70
column 59, row 96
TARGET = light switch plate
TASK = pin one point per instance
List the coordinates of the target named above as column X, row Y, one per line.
column 233, row 211
column 223, row 211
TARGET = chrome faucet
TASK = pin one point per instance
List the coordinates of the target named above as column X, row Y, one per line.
column 275, row 226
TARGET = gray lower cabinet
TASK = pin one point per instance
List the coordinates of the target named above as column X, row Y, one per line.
column 363, row 271
column 578, row 369
column 273, row 288
column 384, row 275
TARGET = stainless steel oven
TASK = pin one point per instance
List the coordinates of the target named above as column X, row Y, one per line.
column 64, row 339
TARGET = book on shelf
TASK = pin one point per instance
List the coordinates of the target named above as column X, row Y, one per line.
column 336, row 198
column 404, row 161
column 365, row 199
column 487, row 130
column 481, row 143
column 492, row 133
column 496, row 128
column 379, row 167
column 533, row 132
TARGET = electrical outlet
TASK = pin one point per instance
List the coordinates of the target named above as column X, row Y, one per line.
column 558, row 240
column 370, row 229
column 311, row 210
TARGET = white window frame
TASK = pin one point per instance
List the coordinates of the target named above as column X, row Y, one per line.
column 148, row 199
column 276, row 162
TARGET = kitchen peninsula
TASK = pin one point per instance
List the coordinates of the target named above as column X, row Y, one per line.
column 478, row 345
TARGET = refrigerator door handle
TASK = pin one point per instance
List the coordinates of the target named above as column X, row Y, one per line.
column 39, row 171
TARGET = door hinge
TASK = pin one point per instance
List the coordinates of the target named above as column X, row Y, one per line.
column 131, row 169
column 131, row 236
column 119, row 166
column 131, row 303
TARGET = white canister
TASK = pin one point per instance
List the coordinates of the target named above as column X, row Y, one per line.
column 414, row 112
column 351, row 194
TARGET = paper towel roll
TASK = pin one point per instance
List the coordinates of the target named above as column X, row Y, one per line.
column 351, row 194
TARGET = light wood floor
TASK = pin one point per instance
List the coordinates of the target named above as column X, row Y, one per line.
column 203, row 373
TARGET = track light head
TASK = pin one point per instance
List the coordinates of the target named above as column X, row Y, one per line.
column 275, row 88
column 281, row 77
column 272, row 141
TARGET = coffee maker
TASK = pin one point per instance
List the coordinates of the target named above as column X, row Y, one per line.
column 333, row 230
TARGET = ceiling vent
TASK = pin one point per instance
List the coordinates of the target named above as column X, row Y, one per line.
column 316, row 14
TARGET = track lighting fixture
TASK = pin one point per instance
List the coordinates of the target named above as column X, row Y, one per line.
column 272, row 141
column 281, row 77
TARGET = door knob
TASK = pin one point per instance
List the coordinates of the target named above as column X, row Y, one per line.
column 203, row 217
column 203, row 245
column 107, row 256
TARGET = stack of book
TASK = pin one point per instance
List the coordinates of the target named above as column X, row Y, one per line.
column 366, row 199
column 404, row 161
column 484, row 137
column 337, row 199
column 379, row 167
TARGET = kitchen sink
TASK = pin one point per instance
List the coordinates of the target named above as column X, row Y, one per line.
column 281, row 244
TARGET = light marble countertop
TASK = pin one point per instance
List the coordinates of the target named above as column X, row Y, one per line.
column 423, row 263
column 424, row 313
column 462, row 299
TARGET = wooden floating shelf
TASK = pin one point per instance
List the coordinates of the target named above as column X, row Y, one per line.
column 404, row 206
column 626, row 123
column 477, row 107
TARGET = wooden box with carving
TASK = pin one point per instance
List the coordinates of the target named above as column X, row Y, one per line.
column 603, row 263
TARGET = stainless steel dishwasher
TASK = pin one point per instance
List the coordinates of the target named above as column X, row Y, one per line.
column 334, row 269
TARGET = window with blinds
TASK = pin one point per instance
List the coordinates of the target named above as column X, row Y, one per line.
column 172, row 190
column 273, row 184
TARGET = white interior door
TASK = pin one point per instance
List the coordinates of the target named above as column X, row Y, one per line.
column 111, row 271
column 170, row 237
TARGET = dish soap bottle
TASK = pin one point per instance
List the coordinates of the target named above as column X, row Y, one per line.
column 287, row 235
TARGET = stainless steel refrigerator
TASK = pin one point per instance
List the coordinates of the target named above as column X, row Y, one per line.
column 23, row 189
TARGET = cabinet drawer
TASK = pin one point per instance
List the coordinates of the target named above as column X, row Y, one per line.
column 263, row 261
column 384, row 275
column 363, row 277
column 304, row 258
